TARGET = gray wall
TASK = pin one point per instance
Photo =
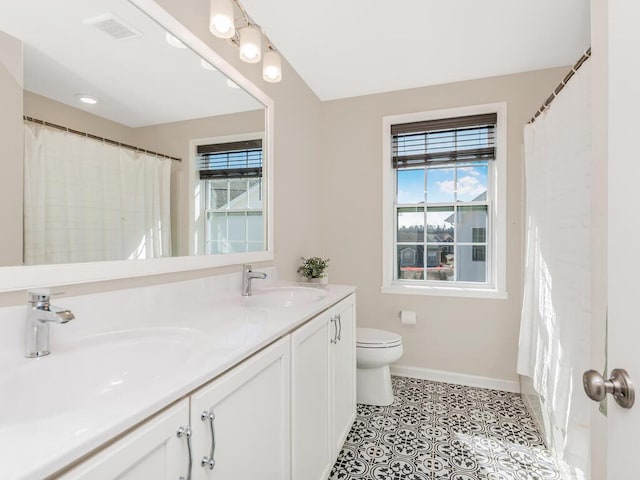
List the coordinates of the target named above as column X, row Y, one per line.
column 11, row 180
column 464, row 335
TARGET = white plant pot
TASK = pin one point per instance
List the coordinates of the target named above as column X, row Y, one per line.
column 322, row 280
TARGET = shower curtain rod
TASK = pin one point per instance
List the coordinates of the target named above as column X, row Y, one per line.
column 101, row 139
column 562, row 84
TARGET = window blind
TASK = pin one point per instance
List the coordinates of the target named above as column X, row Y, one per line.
column 241, row 159
column 449, row 140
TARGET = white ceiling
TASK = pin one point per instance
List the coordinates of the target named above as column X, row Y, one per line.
column 344, row 48
column 140, row 81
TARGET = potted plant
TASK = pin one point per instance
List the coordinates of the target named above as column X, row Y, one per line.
column 313, row 268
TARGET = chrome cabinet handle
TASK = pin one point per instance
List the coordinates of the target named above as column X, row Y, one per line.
column 334, row 320
column 186, row 432
column 209, row 461
column 339, row 335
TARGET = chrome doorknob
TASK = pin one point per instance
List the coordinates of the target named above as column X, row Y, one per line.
column 619, row 385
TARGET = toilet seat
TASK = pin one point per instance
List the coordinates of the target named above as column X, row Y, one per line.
column 375, row 338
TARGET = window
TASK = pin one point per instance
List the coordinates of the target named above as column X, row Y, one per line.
column 478, row 252
column 444, row 198
column 231, row 179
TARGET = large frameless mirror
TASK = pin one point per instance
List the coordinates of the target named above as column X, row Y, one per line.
column 123, row 140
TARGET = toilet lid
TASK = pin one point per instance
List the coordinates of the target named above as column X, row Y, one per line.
column 375, row 338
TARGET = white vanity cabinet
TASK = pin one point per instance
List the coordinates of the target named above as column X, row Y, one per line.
column 247, row 410
column 281, row 414
column 323, row 395
column 241, row 421
column 153, row 450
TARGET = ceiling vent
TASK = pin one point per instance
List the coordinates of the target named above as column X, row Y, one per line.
column 112, row 26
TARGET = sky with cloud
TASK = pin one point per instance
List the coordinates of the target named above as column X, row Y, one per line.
column 441, row 188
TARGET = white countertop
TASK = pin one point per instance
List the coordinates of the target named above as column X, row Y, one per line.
column 127, row 355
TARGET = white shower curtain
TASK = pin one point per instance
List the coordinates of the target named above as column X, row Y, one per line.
column 556, row 315
column 87, row 200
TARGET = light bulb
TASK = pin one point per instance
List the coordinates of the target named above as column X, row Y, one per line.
column 272, row 67
column 221, row 18
column 271, row 73
column 250, row 52
column 222, row 24
column 250, row 44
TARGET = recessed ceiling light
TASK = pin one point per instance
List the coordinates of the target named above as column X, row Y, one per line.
column 88, row 99
column 231, row 83
column 173, row 41
column 206, row 65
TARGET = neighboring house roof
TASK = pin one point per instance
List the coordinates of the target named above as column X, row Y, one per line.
column 240, row 202
column 480, row 198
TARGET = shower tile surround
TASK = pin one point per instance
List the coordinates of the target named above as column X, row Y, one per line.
column 444, row 431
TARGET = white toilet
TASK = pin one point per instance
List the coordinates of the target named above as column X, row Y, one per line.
column 375, row 350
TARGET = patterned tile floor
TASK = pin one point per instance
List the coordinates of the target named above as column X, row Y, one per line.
column 444, row 431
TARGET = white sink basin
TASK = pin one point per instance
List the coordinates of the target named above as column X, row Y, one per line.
column 278, row 297
column 102, row 369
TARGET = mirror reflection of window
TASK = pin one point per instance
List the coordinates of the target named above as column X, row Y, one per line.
column 146, row 89
column 230, row 174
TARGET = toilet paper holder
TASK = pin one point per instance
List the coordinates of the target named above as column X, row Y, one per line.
column 408, row 317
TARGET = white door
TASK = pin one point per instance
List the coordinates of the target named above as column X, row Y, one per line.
column 245, row 428
column 151, row 451
column 623, row 276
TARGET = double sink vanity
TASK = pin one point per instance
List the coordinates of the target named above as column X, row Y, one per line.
column 182, row 380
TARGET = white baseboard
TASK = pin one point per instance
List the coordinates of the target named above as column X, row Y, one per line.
column 457, row 378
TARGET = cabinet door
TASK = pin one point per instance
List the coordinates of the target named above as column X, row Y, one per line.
column 310, row 400
column 251, row 424
column 152, row 450
column 343, row 374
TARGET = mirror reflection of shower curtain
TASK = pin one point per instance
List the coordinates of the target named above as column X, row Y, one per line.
column 86, row 200
column 555, row 331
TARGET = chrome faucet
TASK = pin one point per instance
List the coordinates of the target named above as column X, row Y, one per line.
column 247, row 276
column 41, row 314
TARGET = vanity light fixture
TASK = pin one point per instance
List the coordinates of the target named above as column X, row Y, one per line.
column 222, row 18
column 250, row 44
column 87, row 99
column 232, row 84
column 244, row 33
column 272, row 67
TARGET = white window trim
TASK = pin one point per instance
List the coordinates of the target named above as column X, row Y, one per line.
column 498, row 219
column 197, row 200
